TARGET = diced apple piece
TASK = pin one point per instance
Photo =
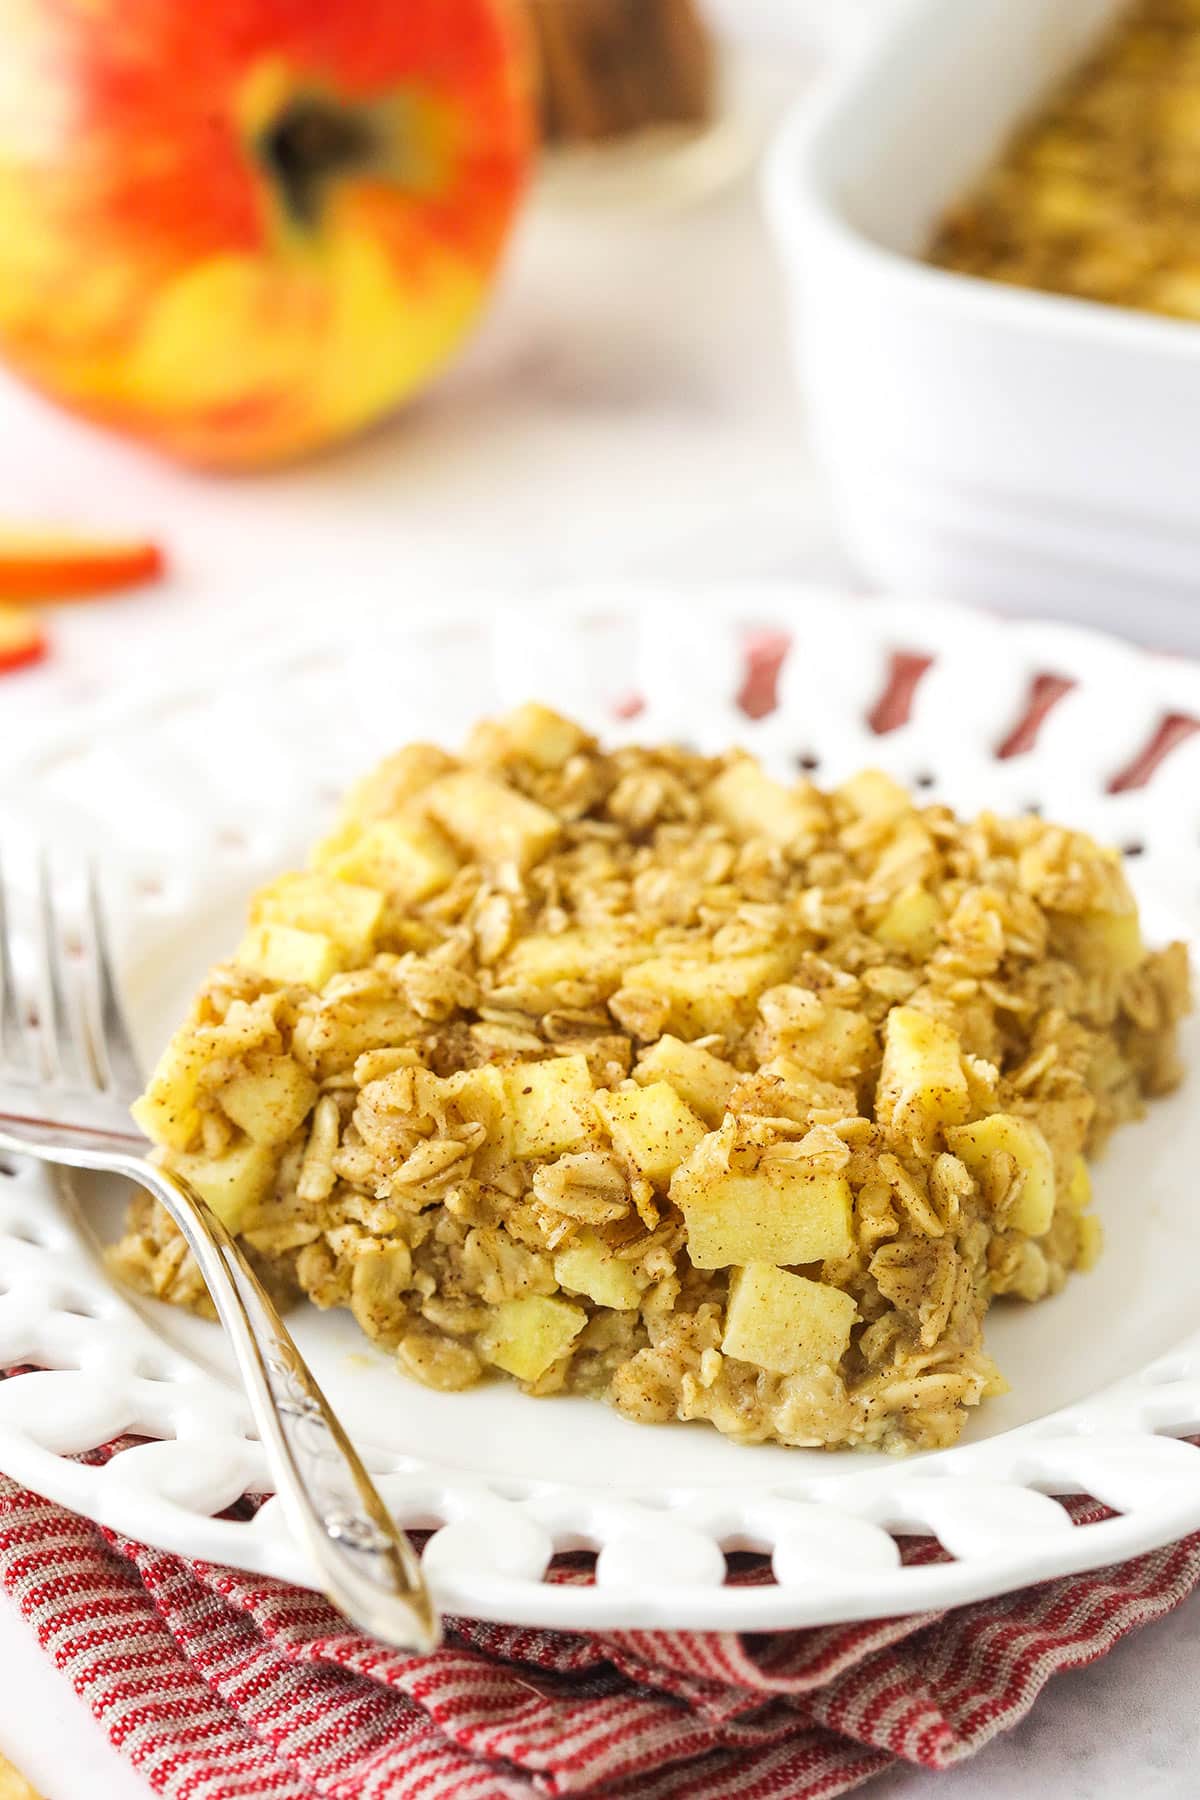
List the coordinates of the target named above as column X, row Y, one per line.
column 167, row 1111
column 708, row 997
column 1100, row 942
column 650, row 1127
column 782, row 1213
column 535, row 732
column 526, row 1336
column 543, row 735
column 550, row 1105
column 922, row 1087
column 233, row 1183
column 594, row 955
column 406, row 858
column 701, row 1079
column 1077, row 1194
column 752, row 805
column 589, row 1267
column 289, row 957
column 271, row 1100
column 491, row 819
column 346, row 913
column 397, row 780
column 875, row 796
column 786, row 1323
column 1019, row 1138
column 910, row 923
column 837, row 1048
column 1090, row 1242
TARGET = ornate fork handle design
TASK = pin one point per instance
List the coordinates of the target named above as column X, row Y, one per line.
column 366, row 1564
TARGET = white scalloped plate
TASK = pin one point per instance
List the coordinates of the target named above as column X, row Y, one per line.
column 193, row 796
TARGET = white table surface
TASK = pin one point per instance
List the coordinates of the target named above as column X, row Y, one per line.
column 627, row 413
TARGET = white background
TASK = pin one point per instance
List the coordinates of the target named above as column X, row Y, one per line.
column 627, row 413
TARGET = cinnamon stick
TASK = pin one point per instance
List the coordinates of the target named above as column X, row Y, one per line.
column 611, row 68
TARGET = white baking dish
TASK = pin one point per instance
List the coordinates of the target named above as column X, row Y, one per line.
column 1014, row 448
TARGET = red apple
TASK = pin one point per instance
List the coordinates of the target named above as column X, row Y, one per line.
column 241, row 229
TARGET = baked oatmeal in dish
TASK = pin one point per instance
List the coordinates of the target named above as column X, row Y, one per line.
column 1098, row 196
column 639, row 1074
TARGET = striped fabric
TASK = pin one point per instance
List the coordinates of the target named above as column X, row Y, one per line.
column 216, row 1684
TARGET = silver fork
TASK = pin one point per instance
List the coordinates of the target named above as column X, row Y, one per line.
column 67, row 1077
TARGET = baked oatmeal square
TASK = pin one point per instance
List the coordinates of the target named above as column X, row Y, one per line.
column 639, row 1074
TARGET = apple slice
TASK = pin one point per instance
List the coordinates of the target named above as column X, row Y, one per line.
column 21, row 639
column 56, row 566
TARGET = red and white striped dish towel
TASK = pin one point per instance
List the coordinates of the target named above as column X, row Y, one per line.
column 217, row 1684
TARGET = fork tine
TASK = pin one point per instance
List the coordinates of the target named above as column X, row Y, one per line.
column 68, row 1053
column 116, row 1040
column 15, row 1049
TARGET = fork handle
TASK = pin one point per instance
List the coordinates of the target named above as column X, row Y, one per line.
column 366, row 1564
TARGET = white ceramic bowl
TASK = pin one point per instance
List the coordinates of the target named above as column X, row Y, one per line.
column 1014, row 448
